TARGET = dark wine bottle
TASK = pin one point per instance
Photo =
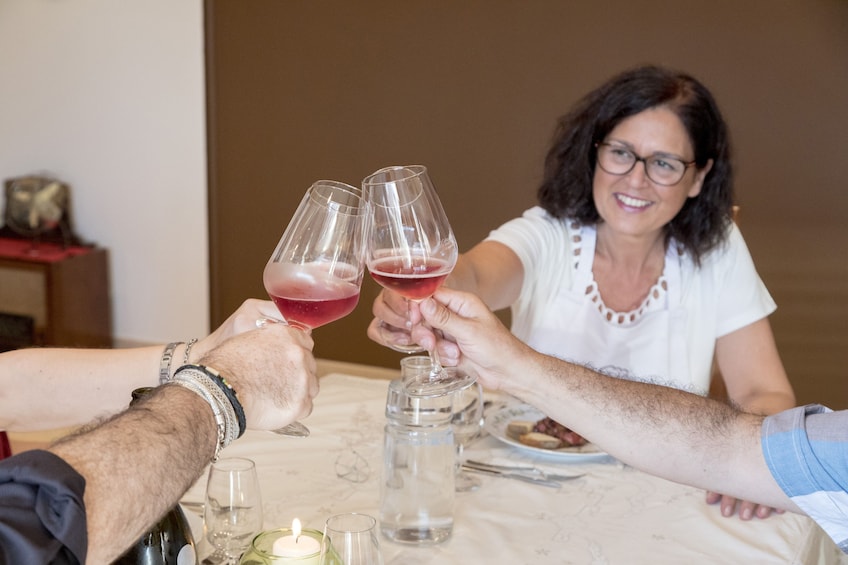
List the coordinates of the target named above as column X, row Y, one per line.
column 170, row 541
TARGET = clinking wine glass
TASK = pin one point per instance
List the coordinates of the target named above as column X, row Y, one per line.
column 411, row 250
column 315, row 273
column 406, row 286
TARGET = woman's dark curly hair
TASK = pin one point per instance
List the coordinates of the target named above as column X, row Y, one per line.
column 566, row 190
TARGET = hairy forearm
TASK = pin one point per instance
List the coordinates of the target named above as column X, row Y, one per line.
column 43, row 389
column 138, row 465
column 663, row 431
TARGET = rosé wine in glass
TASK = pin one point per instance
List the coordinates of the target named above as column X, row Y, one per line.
column 416, row 279
column 308, row 295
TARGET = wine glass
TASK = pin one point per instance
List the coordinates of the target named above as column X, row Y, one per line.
column 232, row 513
column 350, row 539
column 411, row 250
column 466, row 421
column 315, row 272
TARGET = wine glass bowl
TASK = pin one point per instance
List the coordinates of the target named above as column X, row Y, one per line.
column 411, row 247
column 414, row 277
column 315, row 273
column 232, row 511
column 411, row 250
column 308, row 296
column 350, row 539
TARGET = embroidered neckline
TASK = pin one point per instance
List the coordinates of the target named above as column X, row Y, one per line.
column 654, row 301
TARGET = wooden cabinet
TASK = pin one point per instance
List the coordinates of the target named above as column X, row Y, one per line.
column 64, row 291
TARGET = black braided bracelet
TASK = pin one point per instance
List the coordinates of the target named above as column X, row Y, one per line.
column 227, row 389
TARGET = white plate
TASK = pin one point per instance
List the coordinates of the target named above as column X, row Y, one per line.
column 497, row 422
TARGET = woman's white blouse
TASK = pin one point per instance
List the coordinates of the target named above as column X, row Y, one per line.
column 670, row 339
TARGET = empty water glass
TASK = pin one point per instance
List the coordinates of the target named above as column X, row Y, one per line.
column 233, row 510
column 351, row 539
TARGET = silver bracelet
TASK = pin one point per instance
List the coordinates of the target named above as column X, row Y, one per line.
column 226, row 421
column 220, row 423
column 165, row 363
column 213, row 391
column 190, row 343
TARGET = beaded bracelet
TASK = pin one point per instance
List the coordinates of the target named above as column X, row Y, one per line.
column 228, row 391
column 222, row 425
column 165, row 363
column 199, row 380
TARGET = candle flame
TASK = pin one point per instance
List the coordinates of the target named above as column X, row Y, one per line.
column 296, row 529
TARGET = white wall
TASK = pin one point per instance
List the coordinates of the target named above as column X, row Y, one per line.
column 108, row 96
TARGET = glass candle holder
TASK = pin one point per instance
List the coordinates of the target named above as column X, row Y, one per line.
column 261, row 551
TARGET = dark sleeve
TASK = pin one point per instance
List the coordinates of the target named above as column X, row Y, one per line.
column 42, row 513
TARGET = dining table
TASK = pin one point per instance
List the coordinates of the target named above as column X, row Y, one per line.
column 611, row 514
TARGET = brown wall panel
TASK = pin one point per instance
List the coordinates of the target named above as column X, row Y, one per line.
column 299, row 91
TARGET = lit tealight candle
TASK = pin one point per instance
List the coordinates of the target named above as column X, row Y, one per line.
column 296, row 545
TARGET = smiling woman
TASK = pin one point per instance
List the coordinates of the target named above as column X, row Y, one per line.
column 633, row 204
column 638, row 272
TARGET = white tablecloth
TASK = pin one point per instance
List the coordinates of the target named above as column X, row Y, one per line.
column 614, row 514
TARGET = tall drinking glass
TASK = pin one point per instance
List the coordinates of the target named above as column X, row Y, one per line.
column 411, row 250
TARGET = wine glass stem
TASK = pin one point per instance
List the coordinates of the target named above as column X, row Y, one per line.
column 436, row 370
column 437, row 364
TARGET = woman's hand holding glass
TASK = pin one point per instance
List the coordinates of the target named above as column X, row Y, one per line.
column 394, row 318
column 399, row 321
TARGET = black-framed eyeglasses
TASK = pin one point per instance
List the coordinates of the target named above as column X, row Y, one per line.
column 662, row 169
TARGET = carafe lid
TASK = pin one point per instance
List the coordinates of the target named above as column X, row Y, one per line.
column 417, row 410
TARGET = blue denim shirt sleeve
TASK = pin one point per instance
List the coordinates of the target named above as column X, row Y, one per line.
column 806, row 450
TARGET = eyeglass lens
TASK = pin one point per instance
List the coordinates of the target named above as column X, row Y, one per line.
column 618, row 160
